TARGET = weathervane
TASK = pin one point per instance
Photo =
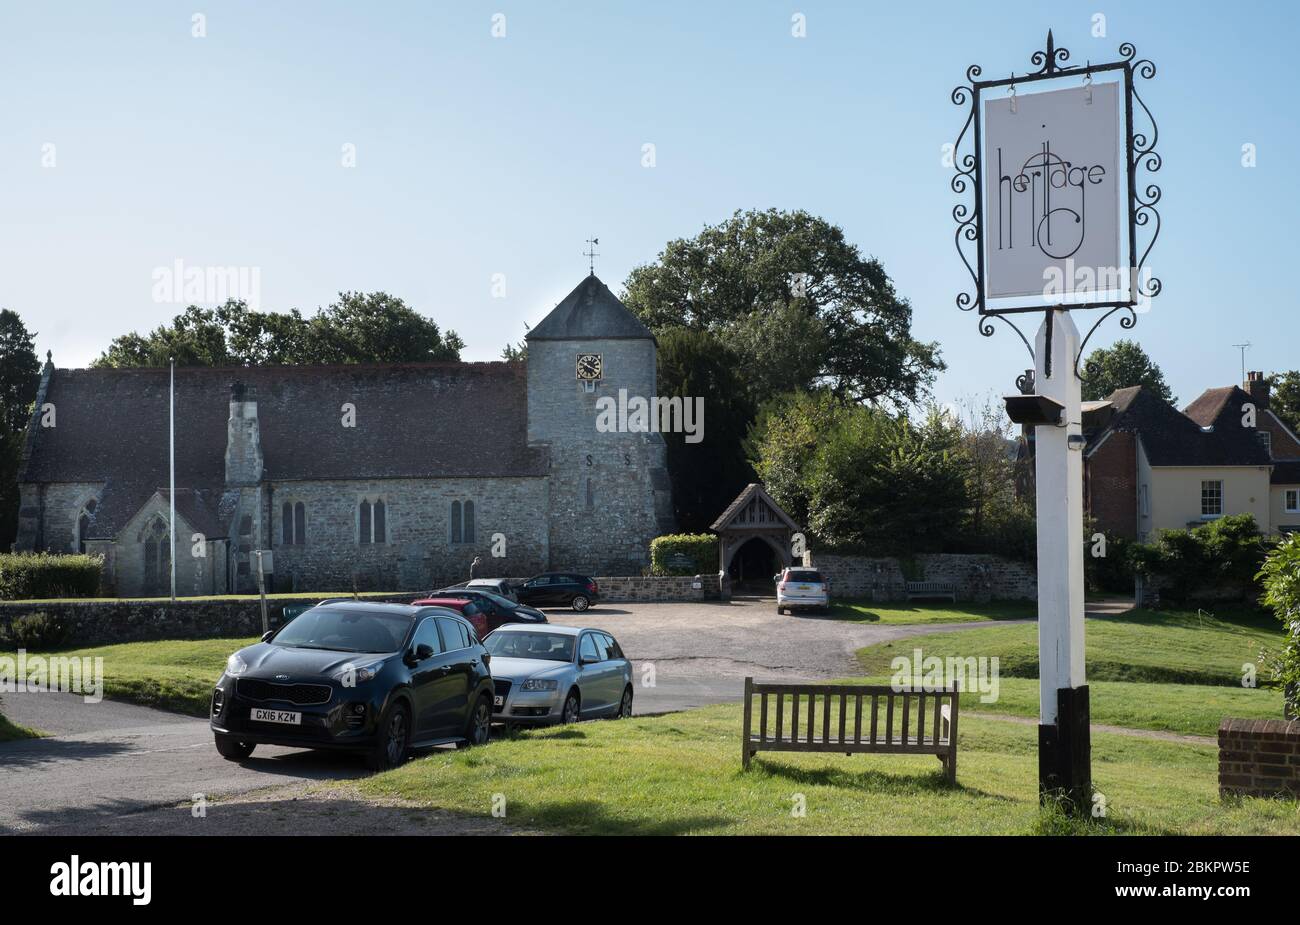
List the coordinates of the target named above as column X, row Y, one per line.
column 591, row 255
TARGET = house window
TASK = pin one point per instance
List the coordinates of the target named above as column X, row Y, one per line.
column 372, row 525
column 293, row 523
column 462, row 522
column 1292, row 500
column 1211, row 498
column 1144, row 500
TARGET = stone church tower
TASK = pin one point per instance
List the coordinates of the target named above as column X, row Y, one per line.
column 609, row 491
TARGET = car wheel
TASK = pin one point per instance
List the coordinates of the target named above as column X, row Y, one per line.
column 393, row 738
column 580, row 602
column 231, row 748
column 625, row 706
column 479, row 729
column 571, row 710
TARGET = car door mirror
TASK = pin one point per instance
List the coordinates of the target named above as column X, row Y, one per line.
column 776, row 577
column 266, row 637
column 423, row 651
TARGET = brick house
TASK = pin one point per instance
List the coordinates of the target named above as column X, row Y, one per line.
column 372, row 476
column 1149, row 466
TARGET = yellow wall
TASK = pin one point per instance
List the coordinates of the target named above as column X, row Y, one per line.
column 1278, row 516
column 1176, row 494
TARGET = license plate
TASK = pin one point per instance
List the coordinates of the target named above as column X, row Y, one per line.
column 803, row 587
column 498, row 701
column 276, row 716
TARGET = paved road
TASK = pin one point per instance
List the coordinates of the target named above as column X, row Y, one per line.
column 108, row 760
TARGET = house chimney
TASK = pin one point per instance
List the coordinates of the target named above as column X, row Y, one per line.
column 243, row 439
column 1257, row 387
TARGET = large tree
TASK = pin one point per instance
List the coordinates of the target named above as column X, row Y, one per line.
column 19, row 377
column 1285, row 400
column 357, row 328
column 709, row 473
column 799, row 304
column 1119, row 366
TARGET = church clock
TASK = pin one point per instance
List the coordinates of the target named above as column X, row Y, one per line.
column 590, row 367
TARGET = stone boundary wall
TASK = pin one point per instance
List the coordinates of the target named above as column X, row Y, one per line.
column 1259, row 758
column 977, row 577
column 96, row 623
column 628, row 588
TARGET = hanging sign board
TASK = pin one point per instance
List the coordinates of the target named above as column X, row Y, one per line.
column 1052, row 183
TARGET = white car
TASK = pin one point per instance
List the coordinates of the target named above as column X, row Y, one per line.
column 802, row 589
column 557, row 674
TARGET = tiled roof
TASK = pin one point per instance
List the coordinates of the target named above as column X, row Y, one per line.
column 412, row 420
column 1174, row 438
column 748, row 492
column 590, row 311
column 1286, row 472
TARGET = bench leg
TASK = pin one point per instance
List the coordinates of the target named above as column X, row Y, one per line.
column 744, row 757
column 950, row 767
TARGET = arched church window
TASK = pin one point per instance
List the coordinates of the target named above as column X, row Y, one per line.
column 293, row 523
column 372, row 521
column 157, row 559
column 457, row 533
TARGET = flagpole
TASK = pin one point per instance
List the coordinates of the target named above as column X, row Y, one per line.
column 171, row 493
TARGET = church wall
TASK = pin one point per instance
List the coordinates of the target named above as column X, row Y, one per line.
column 63, row 504
column 418, row 554
column 603, row 485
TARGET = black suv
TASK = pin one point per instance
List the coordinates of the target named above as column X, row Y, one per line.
column 378, row 678
column 558, row 589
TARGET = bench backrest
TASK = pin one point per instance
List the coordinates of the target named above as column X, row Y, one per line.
column 849, row 718
column 944, row 586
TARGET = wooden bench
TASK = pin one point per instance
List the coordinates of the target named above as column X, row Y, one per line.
column 851, row 719
column 928, row 589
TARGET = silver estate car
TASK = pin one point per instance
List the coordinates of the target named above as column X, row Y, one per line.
column 801, row 589
column 557, row 674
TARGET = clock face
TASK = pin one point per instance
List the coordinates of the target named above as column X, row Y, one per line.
column 590, row 366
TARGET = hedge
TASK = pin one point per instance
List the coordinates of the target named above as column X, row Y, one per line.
column 37, row 575
column 684, row 554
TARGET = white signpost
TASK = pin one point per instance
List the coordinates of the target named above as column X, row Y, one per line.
column 1053, row 162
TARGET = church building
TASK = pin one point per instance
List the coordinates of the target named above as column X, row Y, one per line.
column 373, row 477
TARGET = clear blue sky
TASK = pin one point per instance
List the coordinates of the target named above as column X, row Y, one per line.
column 478, row 155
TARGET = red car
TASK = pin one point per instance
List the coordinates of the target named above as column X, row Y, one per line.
column 467, row 609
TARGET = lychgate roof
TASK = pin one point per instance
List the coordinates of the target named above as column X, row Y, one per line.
column 753, row 509
column 590, row 312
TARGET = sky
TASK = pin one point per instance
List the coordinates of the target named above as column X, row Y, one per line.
column 128, row 144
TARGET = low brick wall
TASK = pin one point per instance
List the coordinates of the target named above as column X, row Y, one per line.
column 1259, row 758
column 976, row 577
column 627, row 588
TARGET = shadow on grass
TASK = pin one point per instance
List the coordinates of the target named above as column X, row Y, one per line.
column 591, row 816
column 870, row 780
column 864, row 611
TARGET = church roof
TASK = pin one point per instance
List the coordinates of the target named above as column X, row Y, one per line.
column 752, row 492
column 431, row 420
column 589, row 312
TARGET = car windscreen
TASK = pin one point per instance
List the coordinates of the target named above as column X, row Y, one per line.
column 498, row 599
column 343, row 630
column 803, row 575
column 553, row 647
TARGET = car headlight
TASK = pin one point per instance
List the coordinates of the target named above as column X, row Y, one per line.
column 235, row 666
column 540, row 684
column 352, row 675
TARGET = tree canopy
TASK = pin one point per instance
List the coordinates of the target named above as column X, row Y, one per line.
column 797, row 304
column 19, row 377
column 1285, row 399
column 1119, row 366
column 358, row 327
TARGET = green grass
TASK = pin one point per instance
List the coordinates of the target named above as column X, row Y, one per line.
column 1140, row 645
column 10, row 731
column 680, row 774
column 856, row 611
column 1171, row 671
column 174, row 675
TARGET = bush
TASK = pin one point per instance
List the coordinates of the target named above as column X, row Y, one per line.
column 684, row 554
column 1281, row 577
column 37, row 575
column 1222, row 555
column 1112, row 572
column 36, row 631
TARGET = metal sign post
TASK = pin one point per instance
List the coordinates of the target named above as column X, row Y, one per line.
column 264, row 564
column 1052, row 160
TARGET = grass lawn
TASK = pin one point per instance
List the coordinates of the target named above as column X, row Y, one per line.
column 174, row 674
column 680, row 774
column 1173, row 671
column 854, row 611
column 10, row 731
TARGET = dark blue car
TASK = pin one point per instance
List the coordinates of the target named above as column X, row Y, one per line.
column 382, row 679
